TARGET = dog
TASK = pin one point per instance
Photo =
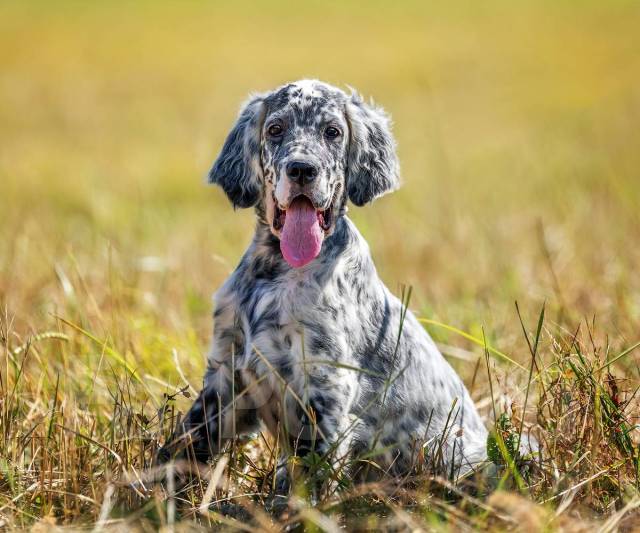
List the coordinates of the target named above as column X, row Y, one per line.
column 307, row 339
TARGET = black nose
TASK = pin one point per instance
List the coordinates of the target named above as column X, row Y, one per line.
column 301, row 172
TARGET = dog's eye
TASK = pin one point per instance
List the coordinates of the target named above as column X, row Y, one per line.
column 332, row 132
column 275, row 130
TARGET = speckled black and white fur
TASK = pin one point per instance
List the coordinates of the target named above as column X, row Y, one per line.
column 324, row 354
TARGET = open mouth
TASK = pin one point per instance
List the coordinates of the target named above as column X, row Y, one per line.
column 324, row 216
column 302, row 229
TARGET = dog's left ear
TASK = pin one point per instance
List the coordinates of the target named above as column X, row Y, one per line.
column 238, row 169
column 372, row 165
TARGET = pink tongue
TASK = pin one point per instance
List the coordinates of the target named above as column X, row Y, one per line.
column 301, row 237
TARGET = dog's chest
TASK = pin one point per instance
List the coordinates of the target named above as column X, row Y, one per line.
column 292, row 321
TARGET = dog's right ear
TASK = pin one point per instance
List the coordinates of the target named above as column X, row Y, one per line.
column 238, row 169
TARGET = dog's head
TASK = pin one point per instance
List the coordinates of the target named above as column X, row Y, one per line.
column 297, row 153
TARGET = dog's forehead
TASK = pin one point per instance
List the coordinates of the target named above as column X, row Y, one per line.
column 307, row 100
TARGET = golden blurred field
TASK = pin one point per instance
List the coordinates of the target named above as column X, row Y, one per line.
column 518, row 126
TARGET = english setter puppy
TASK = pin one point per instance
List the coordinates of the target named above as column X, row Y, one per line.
column 307, row 339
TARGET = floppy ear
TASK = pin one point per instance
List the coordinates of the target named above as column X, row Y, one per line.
column 372, row 166
column 238, row 169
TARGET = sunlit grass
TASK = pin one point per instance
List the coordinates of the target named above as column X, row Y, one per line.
column 518, row 136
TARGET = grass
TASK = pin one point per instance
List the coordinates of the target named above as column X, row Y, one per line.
column 517, row 130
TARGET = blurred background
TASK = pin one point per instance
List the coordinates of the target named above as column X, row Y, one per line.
column 518, row 132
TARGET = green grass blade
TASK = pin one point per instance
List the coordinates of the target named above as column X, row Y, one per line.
column 619, row 356
column 471, row 338
column 108, row 350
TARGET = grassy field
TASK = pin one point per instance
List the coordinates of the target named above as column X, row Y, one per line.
column 519, row 138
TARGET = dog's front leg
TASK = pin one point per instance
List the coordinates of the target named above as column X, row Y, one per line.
column 225, row 407
column 323, row 437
